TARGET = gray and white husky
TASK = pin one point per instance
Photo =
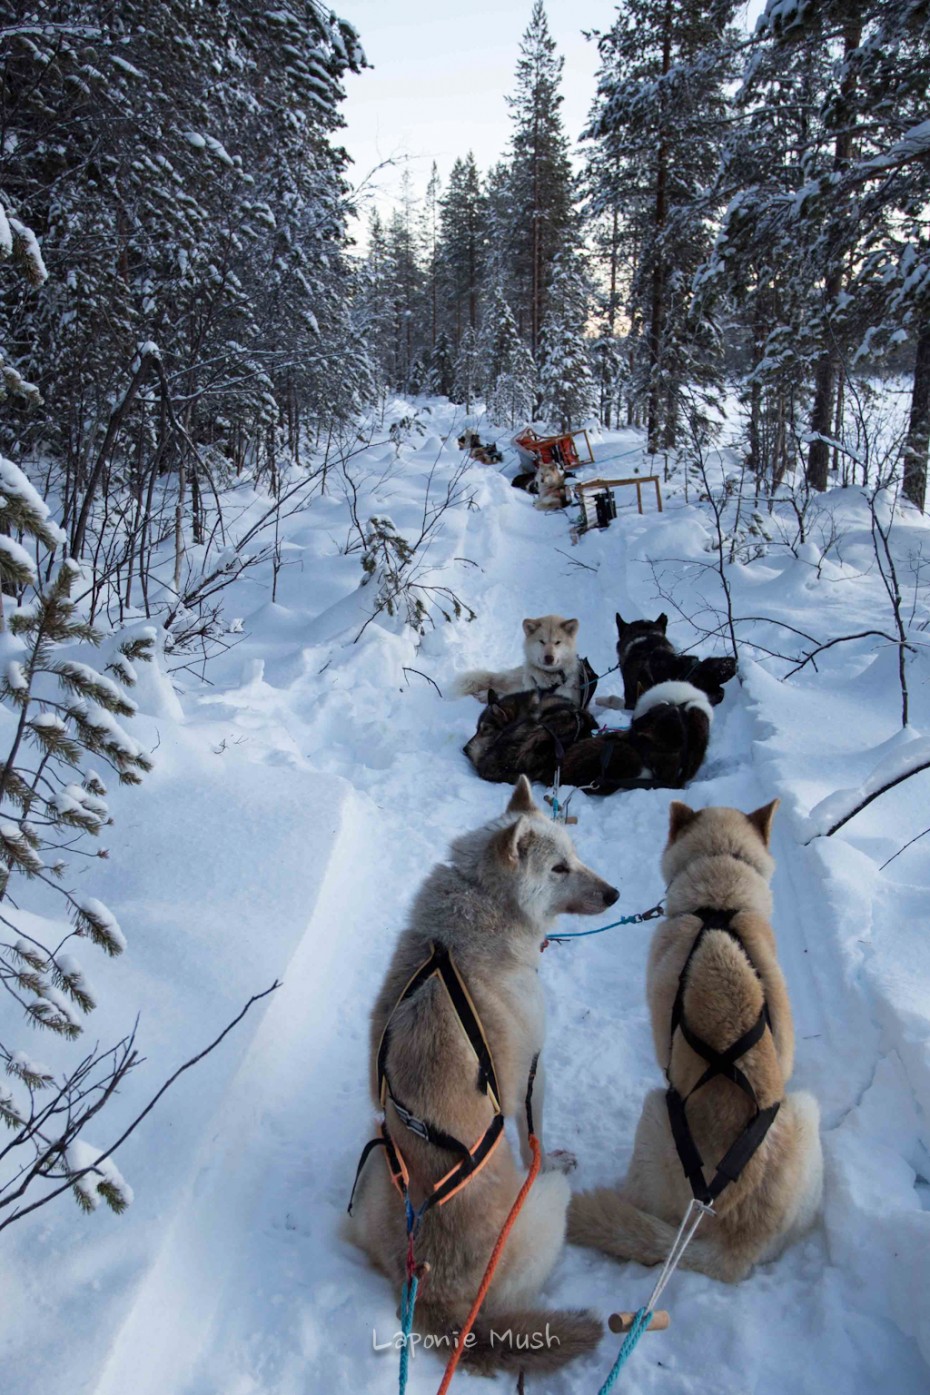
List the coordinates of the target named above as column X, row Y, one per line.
column 489, row 906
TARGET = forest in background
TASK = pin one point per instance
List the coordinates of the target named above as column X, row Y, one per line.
column 191, row 348
column 749, row 208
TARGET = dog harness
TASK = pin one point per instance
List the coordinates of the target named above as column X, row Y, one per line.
column 750, row 1138
column 588, row 683
column 604, row 785
column 441, row 965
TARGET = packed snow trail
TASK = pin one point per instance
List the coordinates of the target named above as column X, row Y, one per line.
column 296, row 808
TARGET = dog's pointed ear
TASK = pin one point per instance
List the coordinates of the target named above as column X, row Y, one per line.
column 522, row 801
column 510, row 843
column 662, row 622
column 570, row 627
column 492, row 697
column 531, row 626
column 680, row 816
column 761, row 820
column 621, row 623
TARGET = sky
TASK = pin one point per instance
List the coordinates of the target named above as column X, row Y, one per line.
column 441, row 73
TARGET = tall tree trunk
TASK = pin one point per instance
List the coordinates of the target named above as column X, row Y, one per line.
column 918, row 436
column 536, row 288
column 657, row 308
column 825, row 374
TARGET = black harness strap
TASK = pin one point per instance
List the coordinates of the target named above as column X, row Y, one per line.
column 531, row 1081
column 441, row 965
column 588, row 684
column 723, row 1063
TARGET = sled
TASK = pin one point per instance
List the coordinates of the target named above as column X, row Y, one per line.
column 597, row 500
column 559, row 450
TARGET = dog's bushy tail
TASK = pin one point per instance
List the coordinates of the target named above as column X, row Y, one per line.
column 537, row 1340
column 604, row 1219
column 473, row 683
column 711, row 674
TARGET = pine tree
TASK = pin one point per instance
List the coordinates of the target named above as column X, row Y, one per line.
column 657, row 124
column 467, row 376
column 440, row 377
column 461, row 253
column 539, row 178
column 508, row 368
column 566, row 382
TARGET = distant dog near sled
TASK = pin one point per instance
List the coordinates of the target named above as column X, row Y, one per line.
column 665, row 745
column 647, row 657
column 550, row 663
column 526, row 734
column 551, row 489
column 725, row 1131
column 479, row 920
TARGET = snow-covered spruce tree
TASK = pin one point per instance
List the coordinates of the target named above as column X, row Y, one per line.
column 19, row 245
column 566, row 382
column 657, row 124
column 138, row 140
column 461, row 255
column 759, row 272
column 508, row 367
column 440, row 375
column 834, row 28
column 60, row 716
column 538, row 208
column 467, row 376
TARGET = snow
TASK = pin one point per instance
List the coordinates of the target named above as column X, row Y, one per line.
column 296, row 803
column 18, row 556
column 14, row 484
column 82, row 1156
column 101, row 915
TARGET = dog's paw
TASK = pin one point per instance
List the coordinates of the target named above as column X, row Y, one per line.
column 613, row 704
column 560, row 1160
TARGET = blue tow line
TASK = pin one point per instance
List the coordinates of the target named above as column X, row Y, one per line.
column 652, row 914
column 408, row 1295
column 640, row 1322
column 408, row 1301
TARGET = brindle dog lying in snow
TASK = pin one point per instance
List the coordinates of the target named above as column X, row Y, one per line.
column 536, row 734
column 526, row 734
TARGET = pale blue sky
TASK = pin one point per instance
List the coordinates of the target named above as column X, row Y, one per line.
column 441, row 75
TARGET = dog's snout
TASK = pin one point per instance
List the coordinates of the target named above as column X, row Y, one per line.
column 611, row 894
column 548, row 658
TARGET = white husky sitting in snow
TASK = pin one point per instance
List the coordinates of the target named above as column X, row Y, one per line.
column 550, row 664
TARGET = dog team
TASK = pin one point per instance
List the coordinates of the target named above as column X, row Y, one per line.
column 537, row 722
column 459, row 1026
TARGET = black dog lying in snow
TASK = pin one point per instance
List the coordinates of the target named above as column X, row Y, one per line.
column 647, row 658
column 664, row 746
column 535, row 734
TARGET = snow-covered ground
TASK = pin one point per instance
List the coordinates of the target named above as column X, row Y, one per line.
column 298, row 800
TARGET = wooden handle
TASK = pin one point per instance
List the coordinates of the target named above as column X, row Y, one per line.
column 622, row 1322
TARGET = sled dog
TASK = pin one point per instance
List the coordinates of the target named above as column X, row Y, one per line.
column 665, row 744
column 487, row 909
column 647, row 657
column 551, row 489
column 550, row 663
column 713, row 979
column 526, row 734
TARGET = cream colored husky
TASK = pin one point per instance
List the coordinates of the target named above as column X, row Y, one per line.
column 717, row 860
column 490, row 907
column 550, row 663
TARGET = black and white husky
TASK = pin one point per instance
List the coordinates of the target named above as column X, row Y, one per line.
column 647, row 657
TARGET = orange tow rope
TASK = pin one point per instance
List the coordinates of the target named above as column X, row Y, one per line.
column 496, row 1253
